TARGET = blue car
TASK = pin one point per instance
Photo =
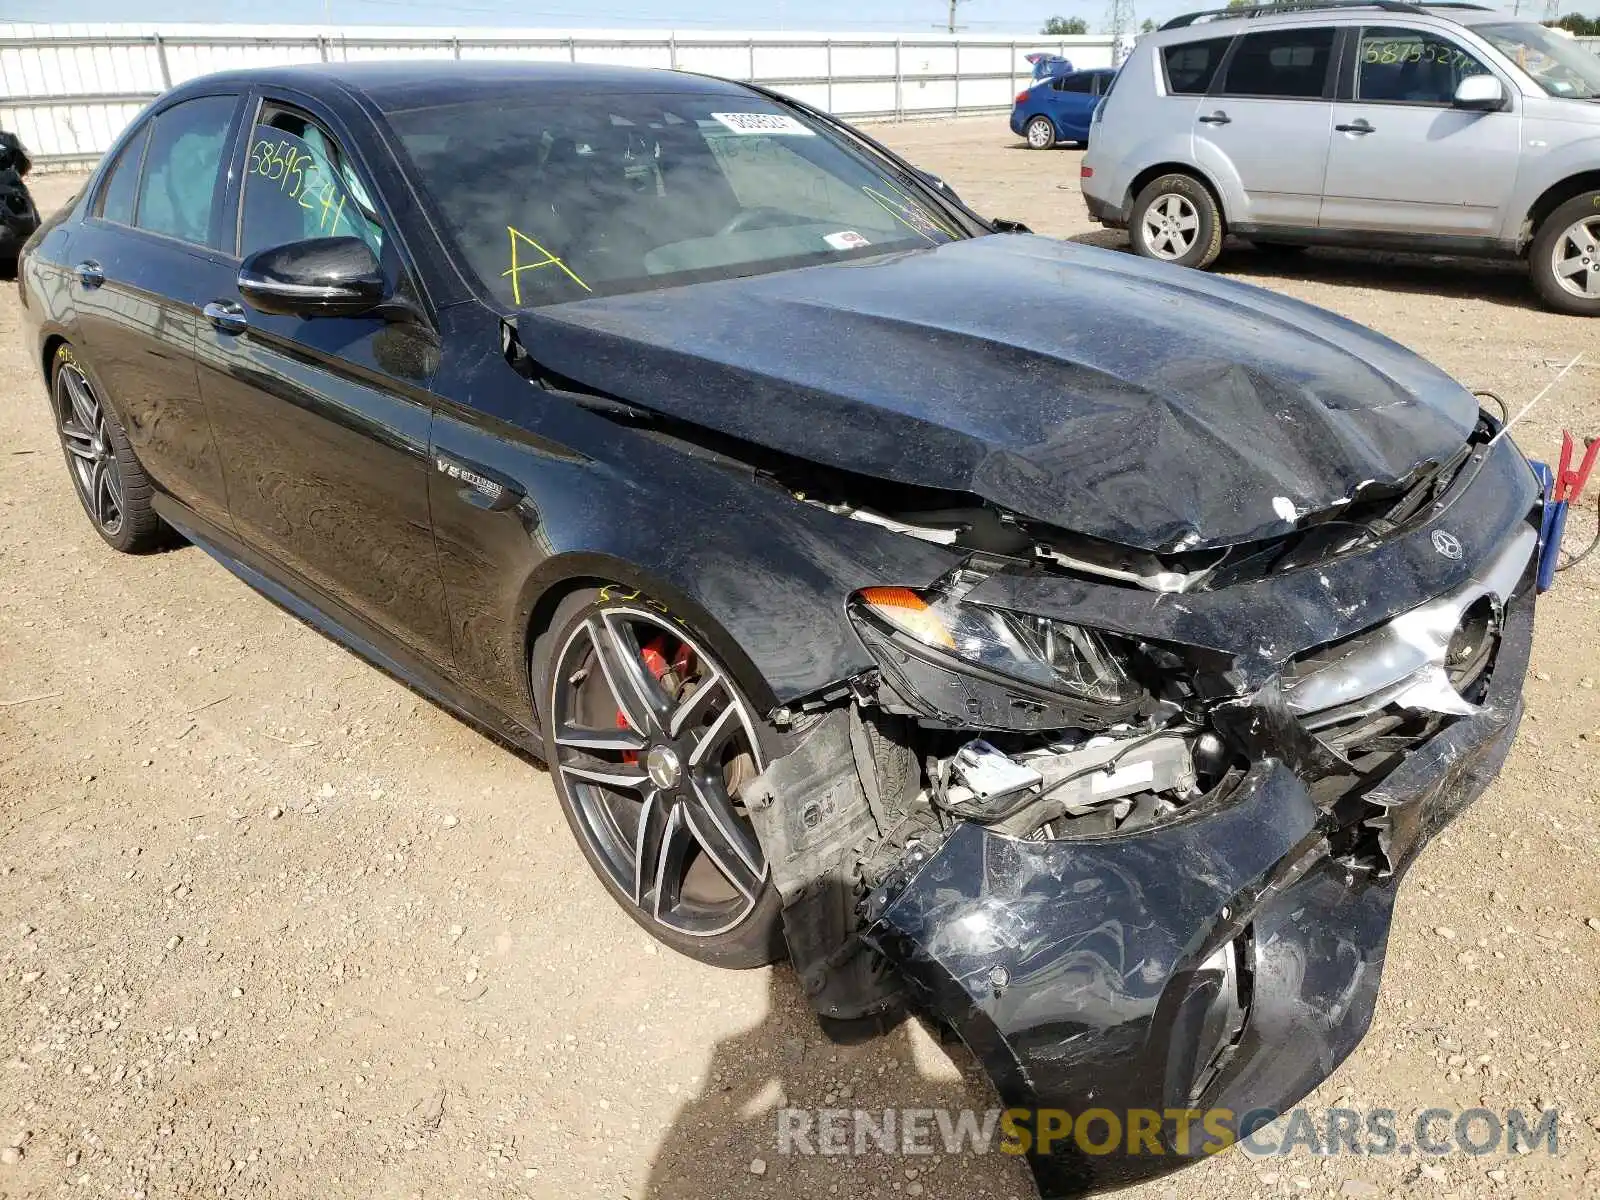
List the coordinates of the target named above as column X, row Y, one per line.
column 1058, row 109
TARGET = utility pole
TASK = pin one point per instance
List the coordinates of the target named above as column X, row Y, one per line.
column 1119, row 22
column 951, row 25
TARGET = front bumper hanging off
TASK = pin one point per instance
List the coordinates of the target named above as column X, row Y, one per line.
column 1229, row 961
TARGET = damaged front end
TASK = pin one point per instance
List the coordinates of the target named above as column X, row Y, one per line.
column 1138, row 846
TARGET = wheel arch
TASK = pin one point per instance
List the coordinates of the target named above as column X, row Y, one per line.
column 1554, row 196
column 559, row 577
column 1146, row 176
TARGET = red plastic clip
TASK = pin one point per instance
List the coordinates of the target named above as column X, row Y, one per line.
column 1570, row 483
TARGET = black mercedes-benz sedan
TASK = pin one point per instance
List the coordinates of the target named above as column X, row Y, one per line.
column 1066, row 648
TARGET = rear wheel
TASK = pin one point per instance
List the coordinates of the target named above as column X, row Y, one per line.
column 110, row 483
column 1564, row 260
column 651, row 741
column 1176, row 220
column 1041, row 133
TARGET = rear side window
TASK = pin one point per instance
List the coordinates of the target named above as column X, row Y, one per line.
column 122, row 181
column 1282, row 63
column 1191, row 66
column 1074, row 83
column 179, row 189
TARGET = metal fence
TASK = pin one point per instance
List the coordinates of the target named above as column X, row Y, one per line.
column 67, row 91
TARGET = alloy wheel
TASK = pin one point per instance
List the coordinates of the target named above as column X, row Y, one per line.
column 93, row 458
column 1170, row 226
column 655, row 744
column 1575, row 258
column 1041, row 134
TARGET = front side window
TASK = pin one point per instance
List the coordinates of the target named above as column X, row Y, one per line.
column 1280, row 63
column 1191, row 66
column 1411, row 66
column 553, row 200
column 122, row 181
column 298, row 185
column 1557, row 64
column 178, row 191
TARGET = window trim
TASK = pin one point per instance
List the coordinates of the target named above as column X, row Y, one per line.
column 1358, row 35
column 1330, row 77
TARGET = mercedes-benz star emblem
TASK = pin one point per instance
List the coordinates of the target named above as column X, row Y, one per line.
column 1447, row 544
column 663, row 767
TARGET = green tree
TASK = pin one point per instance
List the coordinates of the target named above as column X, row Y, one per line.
column 1065, row 26
column 1578, row 25
column 1147, row 26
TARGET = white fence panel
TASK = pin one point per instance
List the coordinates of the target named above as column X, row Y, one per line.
column 68, row 90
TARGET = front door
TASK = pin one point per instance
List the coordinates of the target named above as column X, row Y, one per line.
column 141, row 261
column 324, row 423
column 1266, row 124
column 1405, row 160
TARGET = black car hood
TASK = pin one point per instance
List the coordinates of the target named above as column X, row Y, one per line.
column 1157, row 408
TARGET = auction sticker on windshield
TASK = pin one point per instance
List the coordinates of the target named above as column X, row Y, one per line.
column 848, row 239
column 769, row 123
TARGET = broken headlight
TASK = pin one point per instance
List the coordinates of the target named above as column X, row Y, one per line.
column 1048, row 654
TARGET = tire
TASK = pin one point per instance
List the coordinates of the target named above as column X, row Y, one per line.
column 1569, row 238
column 1185, row 226
column 1041, row 133
column 708, row 893
column 104, row 470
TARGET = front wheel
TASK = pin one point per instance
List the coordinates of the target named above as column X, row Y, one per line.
column 1176, row 220
column 651, row 742
column 1041, row 133
column 1564, row 260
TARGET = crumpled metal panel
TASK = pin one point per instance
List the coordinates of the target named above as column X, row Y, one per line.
column 1085, row 389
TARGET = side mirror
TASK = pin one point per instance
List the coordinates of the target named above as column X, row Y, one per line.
column 319, row 277
column 1482, row 92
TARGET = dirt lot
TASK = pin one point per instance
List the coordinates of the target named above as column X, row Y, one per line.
column 271, row 925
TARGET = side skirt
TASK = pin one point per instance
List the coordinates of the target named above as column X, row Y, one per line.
column 332, row 619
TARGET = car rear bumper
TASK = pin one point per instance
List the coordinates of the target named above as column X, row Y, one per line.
column 1018, row 125
column 1105, row 212
column 1083, row 974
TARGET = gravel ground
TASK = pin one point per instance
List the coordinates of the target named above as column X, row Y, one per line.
column 271, row 925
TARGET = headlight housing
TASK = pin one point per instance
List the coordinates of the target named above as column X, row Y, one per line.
column 993, row 668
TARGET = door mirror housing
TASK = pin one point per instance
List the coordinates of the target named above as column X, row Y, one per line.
column 1481, row 92
column 319, row 277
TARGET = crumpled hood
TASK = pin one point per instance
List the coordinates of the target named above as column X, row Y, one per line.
column 1094, row 391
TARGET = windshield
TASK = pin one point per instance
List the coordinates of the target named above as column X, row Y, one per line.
column 558, row 199
column 1557, row 64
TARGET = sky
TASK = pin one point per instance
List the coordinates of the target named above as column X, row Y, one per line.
column 909, row 16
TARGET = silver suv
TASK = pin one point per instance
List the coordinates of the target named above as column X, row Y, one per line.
column 1448, row 128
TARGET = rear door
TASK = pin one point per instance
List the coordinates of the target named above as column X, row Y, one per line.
column 324, row 423
column 1075, row 98
column 1266, row 123
column 1404, row 159
column 141, row 260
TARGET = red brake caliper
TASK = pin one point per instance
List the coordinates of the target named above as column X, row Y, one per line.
column 655, row 658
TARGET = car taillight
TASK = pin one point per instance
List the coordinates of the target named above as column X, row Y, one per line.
column 1085, row 172
column 1021, row 96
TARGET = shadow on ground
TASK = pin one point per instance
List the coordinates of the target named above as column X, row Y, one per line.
column 728, row 1135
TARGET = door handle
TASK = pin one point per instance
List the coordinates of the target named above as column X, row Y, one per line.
column 227, row 315
column 1217, row 118
column 1359, row 125
column 90, row 273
